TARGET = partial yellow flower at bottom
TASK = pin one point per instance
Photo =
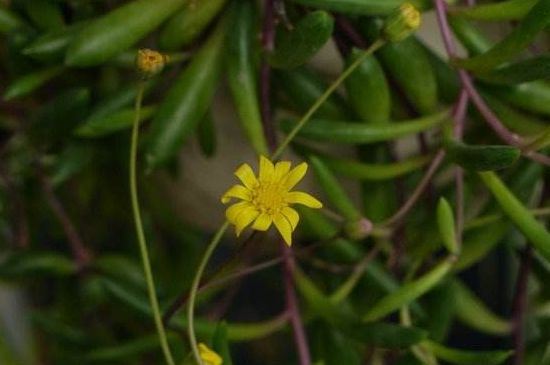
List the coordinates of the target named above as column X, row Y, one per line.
column 266, row 199
column 208, row 356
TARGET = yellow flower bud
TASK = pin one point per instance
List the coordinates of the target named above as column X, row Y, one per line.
column 401, row 23
column 149, row 62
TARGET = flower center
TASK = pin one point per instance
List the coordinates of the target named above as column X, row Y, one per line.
column 268, row 197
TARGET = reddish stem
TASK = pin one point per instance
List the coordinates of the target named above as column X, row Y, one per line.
column 268, row 38
column 80, row 253
column 459, row 116
column 300, row 337
column 520, row 305
column 418, row 191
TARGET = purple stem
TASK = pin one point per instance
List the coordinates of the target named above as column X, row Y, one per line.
column 300, row 337
column 268, row 38
column 459, row 116
column 347, row 28
column 80, row 253
column 418, row 191
column 467, row 84
column 520, row 305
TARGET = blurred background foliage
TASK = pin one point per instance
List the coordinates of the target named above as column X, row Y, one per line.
column 459, row 277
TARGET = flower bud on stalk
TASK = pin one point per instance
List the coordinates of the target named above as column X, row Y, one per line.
column 359, row 229
column 149, row 62
column 401, row 23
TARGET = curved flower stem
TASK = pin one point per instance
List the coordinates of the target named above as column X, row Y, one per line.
column 140, row 233
column 195, row 287
column 300, row 124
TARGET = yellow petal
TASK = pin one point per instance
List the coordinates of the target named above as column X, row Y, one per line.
column 299, row 197
column 236, row 191
column 246, row 175
column 263, row 222
column 233, row 211
column 281, row 169
column 284, row 227
column 208, row 356
column 267, row 169
column 292, row 216
column 245, row 217
column 295, row 175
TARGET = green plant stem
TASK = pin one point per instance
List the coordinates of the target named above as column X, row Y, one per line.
column 300, row 124
column 141, row 235
column 195, row 287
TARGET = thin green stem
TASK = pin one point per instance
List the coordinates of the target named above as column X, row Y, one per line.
column 195, row 287
column 141, row 235
column 300, row 124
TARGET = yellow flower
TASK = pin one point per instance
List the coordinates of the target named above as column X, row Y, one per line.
column 267, row 198
column 208, row 356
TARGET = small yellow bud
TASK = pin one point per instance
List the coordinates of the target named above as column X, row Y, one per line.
column 149, row 62
column 208, row 356
column 401, row 23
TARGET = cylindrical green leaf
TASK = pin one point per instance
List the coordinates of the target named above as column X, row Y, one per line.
column 333, row 190
column 186, row 103
column 517, row 121
column 520, row 38
column 448, row 83
column 409, row 292
column 111, row 123
column 29, row 83
column 470, row 36
column 408, row 65
column 242, row 71
column 117, row 31
column 532, row 69
column 518, row 213
column 189, row 22
column 499, row 11
column 463, row 357
column 52, row 45
column 471, row 311
column 295, row 47
column 446, row 225
column 375, row 171
column 530, row 96
column 482, row 158
column 8, row 20
column 359, row 133
column 45, row 263
column 368, row 90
